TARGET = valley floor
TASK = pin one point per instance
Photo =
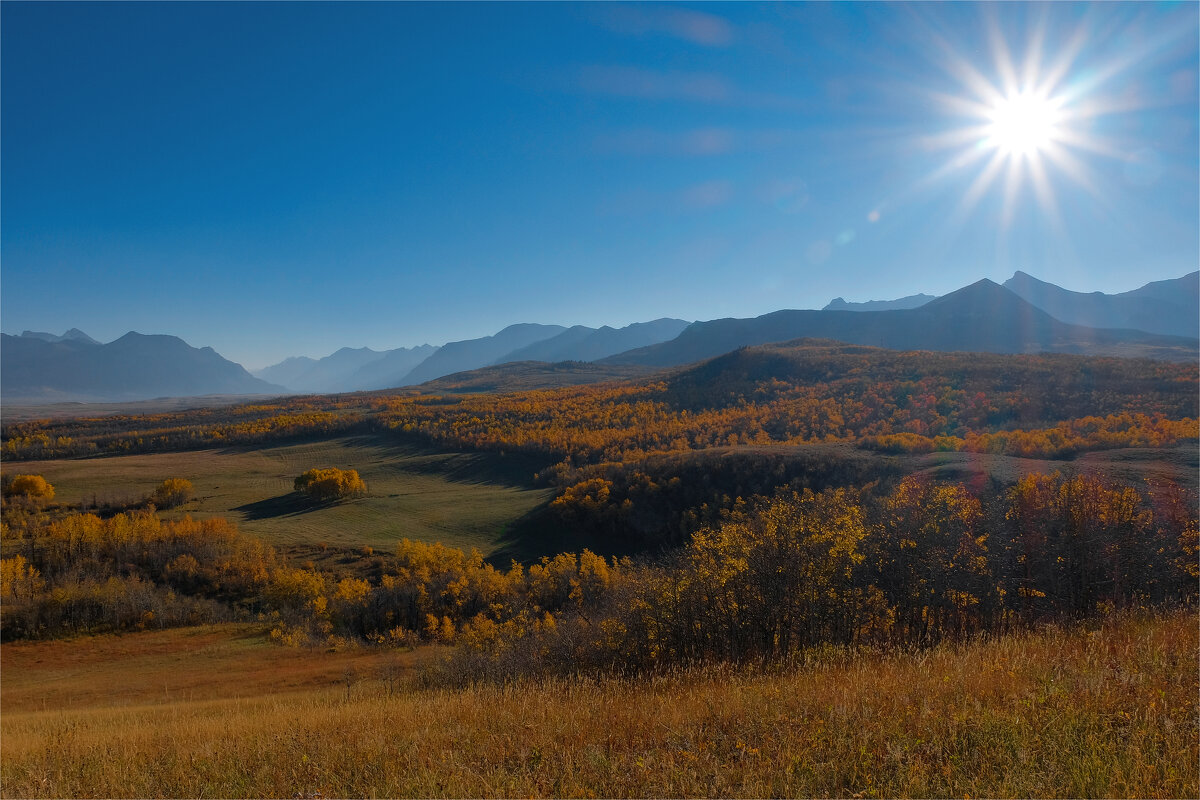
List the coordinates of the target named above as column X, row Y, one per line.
column 1097, row 710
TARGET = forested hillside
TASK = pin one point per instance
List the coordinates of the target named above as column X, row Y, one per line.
column 803, row 392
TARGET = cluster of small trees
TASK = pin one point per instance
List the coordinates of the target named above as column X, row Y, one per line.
column 330, row 484
column 436, row 593
column 82, row 573
column 171, row 493
column 663, row 500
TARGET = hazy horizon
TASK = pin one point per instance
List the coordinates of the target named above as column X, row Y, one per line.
column 275, row 180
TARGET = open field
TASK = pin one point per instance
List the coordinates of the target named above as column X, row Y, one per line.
column 460, row 499
column 1105, row 711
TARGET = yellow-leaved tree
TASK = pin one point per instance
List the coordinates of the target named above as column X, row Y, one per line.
column 331, row 484
column 172, row 492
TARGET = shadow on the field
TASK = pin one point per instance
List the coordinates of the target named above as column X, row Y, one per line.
column 480, row 468
column 541, row 532
column 285, row 505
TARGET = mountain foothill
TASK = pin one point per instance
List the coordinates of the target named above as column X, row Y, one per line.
column 1024, row 315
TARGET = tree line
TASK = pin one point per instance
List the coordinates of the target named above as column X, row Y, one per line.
column 768, row 579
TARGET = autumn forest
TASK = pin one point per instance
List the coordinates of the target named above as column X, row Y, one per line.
column 757, row 509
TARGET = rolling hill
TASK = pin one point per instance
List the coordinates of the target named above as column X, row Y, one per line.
column 521, row 376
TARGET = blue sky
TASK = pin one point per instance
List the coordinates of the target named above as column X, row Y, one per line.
column 286, row 179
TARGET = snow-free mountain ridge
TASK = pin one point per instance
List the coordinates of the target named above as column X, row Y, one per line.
column 983, row 317
column 912, row 301
column 133, row 367
column 1169, row 307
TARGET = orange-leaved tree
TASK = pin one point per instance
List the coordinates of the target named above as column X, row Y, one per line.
column 32, row 486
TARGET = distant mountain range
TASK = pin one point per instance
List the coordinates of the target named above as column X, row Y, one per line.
column 347, row 370
column 1168, row 307
column 983, row 317
column 1159, row 320
column 350, row 370
column 474, row 353
column 591, row 344
column 73, row 335
column 75, row 367
column 912, row 301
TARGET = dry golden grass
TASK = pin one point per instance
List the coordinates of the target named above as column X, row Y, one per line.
column 1071, row 713
column 209, row 662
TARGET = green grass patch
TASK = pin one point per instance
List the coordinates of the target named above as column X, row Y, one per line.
column 463, row 500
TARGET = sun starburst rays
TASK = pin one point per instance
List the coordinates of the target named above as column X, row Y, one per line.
column 1025, row 126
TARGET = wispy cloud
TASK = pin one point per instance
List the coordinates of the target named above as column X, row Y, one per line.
column 700, row 87
column 697, row 27
column 787, row 195
column 709, row 194
column 655, row 85
column 692, row 198
column 708, row 141
column 652, row 142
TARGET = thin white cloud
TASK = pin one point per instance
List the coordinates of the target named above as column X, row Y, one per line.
column 689, row 199
column 700, row 87
column 652, row 142
column 696, row 27
column 709, row 194
column 654, row 85
column 707, row 141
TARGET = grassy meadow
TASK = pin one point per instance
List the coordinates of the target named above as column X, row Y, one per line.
column 461, row 499
column 1101, row 711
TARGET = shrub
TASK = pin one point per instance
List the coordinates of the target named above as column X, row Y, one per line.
column 172, row 492
column 331, row 484
column 32, row 486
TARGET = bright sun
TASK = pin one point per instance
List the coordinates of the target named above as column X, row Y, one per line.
column 1026, row 124
column 1023, row 124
